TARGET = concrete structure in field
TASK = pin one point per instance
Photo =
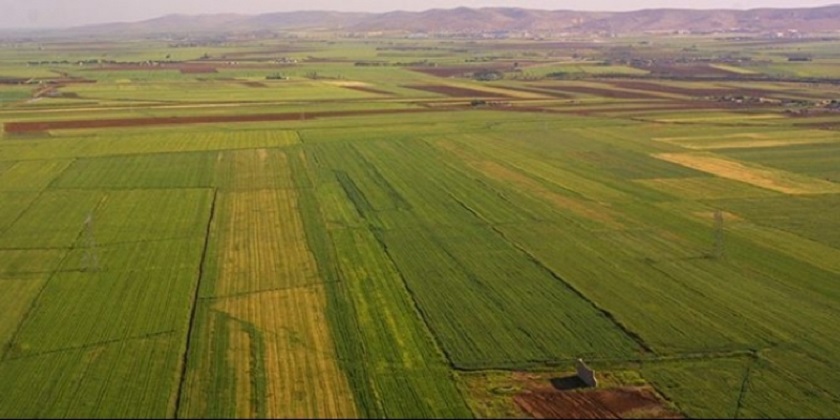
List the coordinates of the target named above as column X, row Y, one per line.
column 586, row 374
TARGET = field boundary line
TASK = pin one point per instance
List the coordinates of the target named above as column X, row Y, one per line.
column 141, row 153
column 37, row 297
column 745, row 383
column 53, row 181
column 195, row 301
column 24, row 211
column 272, row 290
column 555, row 364
column 435, row 339
column 47, row 125
column 92, row 345
column 630, row 334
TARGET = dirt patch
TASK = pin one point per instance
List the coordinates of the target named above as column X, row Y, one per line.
column 455, row 91
column 197, row 69
column 253, row 84
column 12, row 81
column 132, row 67
column 743, row 141
column 551, row 93
column 369, row 90
column 614, row 403
column 687, row 91
column 603, row 92
column 41, row 126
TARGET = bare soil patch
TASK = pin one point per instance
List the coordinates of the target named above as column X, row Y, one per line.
column 551, row 93
column 253, row 84
column 655, row 87
column 456, row 92
column 613, row 403
column 603, row 92
column 12, row 80
column 197, row 69
column 369, row 90
column 41, row 126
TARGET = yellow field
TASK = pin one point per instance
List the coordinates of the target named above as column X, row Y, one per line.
column 263, row 245
column 269, row 351
column 734, row 69
column 588, row 210
column 750, row 140
column 704, row 188
column 302, row 374
column 771, row 179
column 712, row 117
column 801, row 248
column 254, row 169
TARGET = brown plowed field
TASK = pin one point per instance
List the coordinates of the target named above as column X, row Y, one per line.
column 181, row 66
column 454, row 71
column 655, row 87
column 253, row 84
column 456, row 92
column 40, row 126
column 197, row 69
column 368, row 90
column 615, row 403
column 553, row 94
column 603, row 92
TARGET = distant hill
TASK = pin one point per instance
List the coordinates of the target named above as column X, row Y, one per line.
column 485, row 20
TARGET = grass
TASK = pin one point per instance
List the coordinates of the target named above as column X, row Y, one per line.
column 408, row 265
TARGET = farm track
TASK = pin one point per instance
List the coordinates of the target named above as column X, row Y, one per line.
column 193, row 307
column 93, row 345
column 745, row 385
column 40, row 126
column 256, row 292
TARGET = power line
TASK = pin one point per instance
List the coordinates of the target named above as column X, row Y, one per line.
column 90, row 262
column 719, row 244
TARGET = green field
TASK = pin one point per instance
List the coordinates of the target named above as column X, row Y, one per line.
column 326, row 256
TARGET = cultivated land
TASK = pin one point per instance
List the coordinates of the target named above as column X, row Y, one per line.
column 364, row 229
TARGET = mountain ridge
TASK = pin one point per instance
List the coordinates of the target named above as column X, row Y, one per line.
column 487, row 19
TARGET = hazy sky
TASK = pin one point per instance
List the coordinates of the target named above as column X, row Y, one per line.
column 63, row 13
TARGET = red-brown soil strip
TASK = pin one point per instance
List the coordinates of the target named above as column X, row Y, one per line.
column 603, row 92
column 197, row 69
column 253, row 84
column 456, row 92
column 33, row 126
column 595, row 404
column 369, row 90
column 553, row 94
column 655, row 87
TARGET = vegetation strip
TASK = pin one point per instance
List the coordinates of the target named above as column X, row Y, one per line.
column 193, row 306
column 607, row 314
column 39, row 126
